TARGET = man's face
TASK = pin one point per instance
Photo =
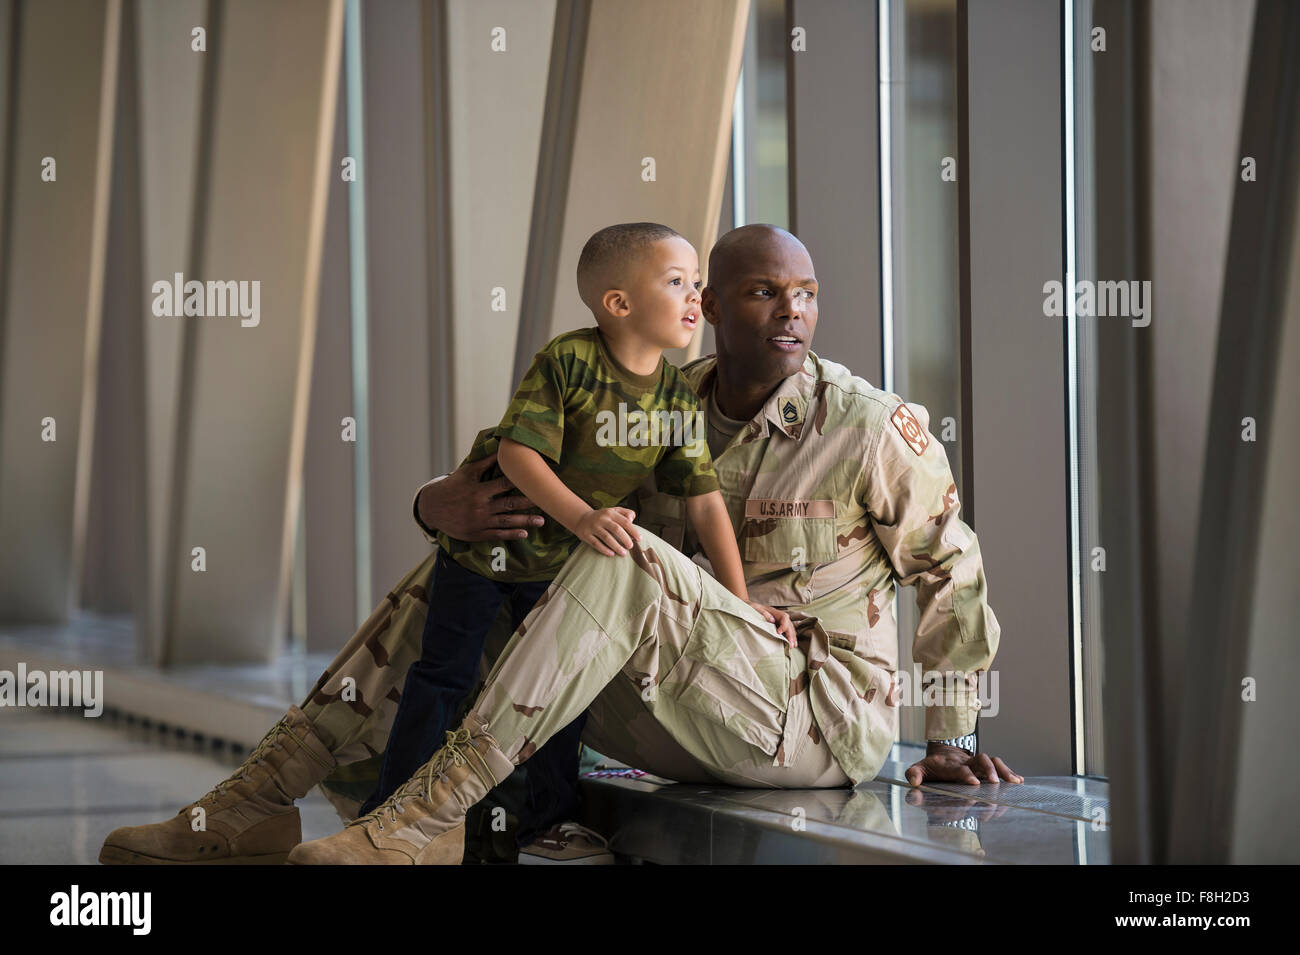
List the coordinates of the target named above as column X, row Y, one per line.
column 765, row 311
column 665, row 293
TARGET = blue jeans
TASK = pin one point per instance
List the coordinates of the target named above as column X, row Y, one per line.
column 462, row 607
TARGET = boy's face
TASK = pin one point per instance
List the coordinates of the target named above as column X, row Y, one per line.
column 664, row 294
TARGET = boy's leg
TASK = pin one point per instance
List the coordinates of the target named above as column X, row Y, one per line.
column 621, row 726
column 462, row 605
column 553, row 793
column 642, row 618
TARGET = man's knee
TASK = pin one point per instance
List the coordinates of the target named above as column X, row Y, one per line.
column 587, row 560
column 612, row 590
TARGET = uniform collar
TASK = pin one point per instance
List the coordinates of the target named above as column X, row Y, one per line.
column 785, row 410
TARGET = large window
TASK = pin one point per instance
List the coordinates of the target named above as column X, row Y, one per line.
column 926, row 336
column 882, row 86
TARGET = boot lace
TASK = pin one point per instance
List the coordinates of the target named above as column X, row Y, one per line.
column 457, row 751
column 576, row 829
column 270, row 742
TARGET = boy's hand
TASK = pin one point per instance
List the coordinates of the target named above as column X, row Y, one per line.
column 779, row 618
column 609, row 530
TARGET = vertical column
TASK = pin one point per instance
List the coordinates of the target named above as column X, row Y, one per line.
column 114, row 578
column 1129, row 626
column 405, row 368
column 9, row 62
column 171, row 73
column 497, row 57
column 57, row 202
column 1013, row 180
column 1239, row 632
column 922, row 328
column 1273, row 651
column 637, row 155
column 834, row 172
column 243, row 429
column 1199, row 57
column 329, row 531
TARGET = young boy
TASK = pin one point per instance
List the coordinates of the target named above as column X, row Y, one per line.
column 599, row 410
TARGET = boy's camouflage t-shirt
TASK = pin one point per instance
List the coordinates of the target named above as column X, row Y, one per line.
column 603, row 429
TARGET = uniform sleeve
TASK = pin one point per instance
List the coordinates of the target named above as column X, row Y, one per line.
column 535, row 416
column 687, row 469
column 430, row 533
column 911, row 500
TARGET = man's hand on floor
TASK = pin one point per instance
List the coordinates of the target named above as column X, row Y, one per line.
column 951, row 764
column 470, row 509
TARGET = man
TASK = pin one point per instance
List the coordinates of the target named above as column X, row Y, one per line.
column 836, row 489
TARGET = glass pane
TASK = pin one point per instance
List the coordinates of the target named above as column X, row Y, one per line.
column 767, row 177
column 758, row 191
column 926, row 313
column 1081, row 204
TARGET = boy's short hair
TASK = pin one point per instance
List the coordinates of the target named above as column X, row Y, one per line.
column 603, row 262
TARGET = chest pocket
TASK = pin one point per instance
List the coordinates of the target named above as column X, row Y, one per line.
column 788, row 532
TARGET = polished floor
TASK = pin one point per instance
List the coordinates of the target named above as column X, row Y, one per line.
column 66, row 781
column 1052, row 820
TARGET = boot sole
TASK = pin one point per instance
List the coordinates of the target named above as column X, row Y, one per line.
column 116, row 855
column 527, row 859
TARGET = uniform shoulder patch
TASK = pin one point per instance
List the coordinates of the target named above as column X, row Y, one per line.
column 910, row 429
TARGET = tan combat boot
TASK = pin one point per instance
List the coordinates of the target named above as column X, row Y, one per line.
column 249, row 818
column 423, row 823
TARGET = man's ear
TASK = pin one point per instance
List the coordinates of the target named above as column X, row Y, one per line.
column 709, row 305
column 616, row 303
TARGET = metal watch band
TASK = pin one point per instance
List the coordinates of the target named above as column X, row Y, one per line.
column 966, row 742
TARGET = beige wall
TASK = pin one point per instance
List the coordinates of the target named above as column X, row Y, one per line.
column 1265, row 797
column 263, row 219
column 495, row 125
column 1018, row 376
column 1199, row 57
column 329, row 475
column 7, row 53
column 113, row 573
column 623, row 116
column 401, row 318
column 169, row 74
column 52, row 298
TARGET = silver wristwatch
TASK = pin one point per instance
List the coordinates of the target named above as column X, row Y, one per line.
column 966, row 742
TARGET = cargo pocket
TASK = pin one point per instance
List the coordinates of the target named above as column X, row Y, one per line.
column 734, row 670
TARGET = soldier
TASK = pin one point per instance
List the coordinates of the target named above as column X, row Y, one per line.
column 835, row 490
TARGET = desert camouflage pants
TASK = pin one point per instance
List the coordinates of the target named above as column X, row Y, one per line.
column 651, row 636
column 681, row 678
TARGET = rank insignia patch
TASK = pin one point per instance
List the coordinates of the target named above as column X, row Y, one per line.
column 789, row 413
column 910, row 429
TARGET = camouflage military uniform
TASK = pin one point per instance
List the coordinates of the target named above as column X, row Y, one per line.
column 835, row 489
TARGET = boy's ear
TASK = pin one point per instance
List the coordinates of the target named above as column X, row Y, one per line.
column 616, row 302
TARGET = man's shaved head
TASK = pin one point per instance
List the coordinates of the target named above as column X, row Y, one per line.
column 604, row 261
column 739, row 249
column 762, row 303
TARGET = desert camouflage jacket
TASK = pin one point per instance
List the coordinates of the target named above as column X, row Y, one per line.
column 837, row 490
